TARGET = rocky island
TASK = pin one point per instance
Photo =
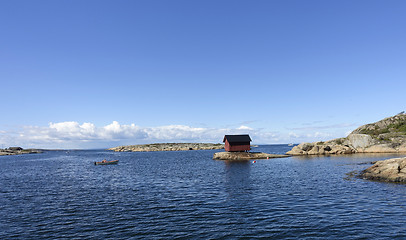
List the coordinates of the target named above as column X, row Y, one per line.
column 17, row 151
column 385, row 136
column 155, row 147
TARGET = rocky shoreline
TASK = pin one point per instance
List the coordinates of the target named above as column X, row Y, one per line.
column 390, row 170
column 245, row 156
column 18, row 151
column 354, row 143
column 156, row 147
column 385, row 136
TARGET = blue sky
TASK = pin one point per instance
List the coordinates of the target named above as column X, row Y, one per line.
column 84, row 74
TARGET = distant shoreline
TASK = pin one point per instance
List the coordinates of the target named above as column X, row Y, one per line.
column 158, row 147
column 18, row 151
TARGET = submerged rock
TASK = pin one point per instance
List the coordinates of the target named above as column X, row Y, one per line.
column 245, row 155
column 391, row 170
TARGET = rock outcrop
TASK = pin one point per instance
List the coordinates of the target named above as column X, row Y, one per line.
column 167, row 147
column 18, row 151
column 245, row 156
column 391, row 170
column 385, row 136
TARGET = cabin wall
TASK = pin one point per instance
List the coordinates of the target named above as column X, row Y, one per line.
column 237, row 147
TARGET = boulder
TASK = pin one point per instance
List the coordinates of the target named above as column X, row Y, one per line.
column 391, row 170
column 316, row 150
column 296, row 150
column 360, row 140
column 306, row 146
column 340, row 149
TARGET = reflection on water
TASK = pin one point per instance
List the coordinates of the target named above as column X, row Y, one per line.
column 238, row 179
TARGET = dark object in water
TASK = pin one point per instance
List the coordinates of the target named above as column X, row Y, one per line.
column 105, row 162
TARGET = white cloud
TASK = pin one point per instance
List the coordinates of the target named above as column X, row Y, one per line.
column 87, row 135
column 293, row 135
column 242, row 127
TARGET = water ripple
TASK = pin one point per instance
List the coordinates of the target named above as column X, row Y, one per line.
column 187, row 195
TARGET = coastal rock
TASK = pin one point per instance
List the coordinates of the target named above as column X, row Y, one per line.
column 360, row 140
column 380, row 148
column 402, row 148
column 18, row 151
column 321, row 148
column 306, row 146
column 385, row 136
column 245, row 155
column 391, row 170
column 167, row 147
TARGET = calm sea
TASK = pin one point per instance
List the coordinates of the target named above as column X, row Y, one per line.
column 187, row 195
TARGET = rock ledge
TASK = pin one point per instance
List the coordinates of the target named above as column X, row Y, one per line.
column 245, row 155
column 391, row 170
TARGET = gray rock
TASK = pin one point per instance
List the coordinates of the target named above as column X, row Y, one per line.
column 306, row 146
column 360, row 140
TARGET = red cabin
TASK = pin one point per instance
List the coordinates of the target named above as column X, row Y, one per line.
column 237, row 143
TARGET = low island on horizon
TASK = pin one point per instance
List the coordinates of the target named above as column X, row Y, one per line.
column 156, row 147
column 227, row 155
column 18, row 151
column 384, row 136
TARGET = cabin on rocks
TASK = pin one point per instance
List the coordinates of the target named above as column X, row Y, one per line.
column 237, row 143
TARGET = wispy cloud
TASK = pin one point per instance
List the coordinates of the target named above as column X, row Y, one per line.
column 88, row 135
column 309, row 126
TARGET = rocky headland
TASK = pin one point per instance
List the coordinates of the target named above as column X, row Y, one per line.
column 18, row 151
column 391, row 170
column 155, row 147
column 385, row 136
column 245, row 156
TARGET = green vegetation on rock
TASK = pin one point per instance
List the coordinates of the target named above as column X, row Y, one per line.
column 395, row 125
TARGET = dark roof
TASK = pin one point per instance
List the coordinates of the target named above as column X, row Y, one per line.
column 237, row 138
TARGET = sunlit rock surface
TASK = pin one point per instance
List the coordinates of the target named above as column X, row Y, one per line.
column 391, row 170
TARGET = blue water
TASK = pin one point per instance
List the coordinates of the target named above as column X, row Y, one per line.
column 187, row 195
